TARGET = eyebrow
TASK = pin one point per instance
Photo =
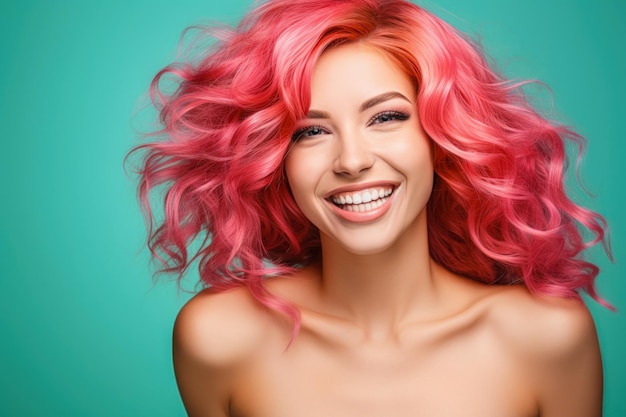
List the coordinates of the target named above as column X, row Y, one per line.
column 381, row 98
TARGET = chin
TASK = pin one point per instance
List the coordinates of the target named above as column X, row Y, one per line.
column 367, row 250
column 362, row 244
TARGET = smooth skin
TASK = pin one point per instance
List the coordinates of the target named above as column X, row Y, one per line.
column 386, row 331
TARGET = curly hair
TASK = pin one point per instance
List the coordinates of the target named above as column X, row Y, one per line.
column 498, row 213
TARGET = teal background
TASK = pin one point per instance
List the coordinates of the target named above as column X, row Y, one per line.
column 83, row 330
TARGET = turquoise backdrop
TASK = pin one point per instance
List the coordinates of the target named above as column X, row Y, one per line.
column 84, row 332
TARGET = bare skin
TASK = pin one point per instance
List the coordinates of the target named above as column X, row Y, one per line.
column 498, row 352
column 385, row 330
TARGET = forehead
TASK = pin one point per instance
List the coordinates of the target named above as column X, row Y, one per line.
column 359, row 71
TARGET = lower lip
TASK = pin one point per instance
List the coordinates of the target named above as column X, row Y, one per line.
column 363, row 217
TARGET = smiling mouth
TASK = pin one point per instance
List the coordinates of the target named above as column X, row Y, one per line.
column 362, row 201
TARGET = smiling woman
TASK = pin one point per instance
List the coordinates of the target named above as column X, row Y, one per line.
column 409, row 206
column 361, row 137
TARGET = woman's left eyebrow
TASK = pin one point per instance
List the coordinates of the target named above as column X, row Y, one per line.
column 318, row 114
column 381, row 98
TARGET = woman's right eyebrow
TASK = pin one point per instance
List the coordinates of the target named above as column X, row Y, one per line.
column 317, row 114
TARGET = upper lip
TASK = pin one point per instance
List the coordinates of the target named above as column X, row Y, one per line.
column 360, row 187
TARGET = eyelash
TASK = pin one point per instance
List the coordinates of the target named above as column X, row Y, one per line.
column 300, row 133
column 394, row 115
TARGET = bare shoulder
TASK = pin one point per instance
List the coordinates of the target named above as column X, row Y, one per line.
column 220, row 328
column 225, row 328
column 538, row 325
column 554, row 341
column 215, row 336
column 543, row 325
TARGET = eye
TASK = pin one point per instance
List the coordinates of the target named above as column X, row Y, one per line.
column 308, row 132
column 387, row 116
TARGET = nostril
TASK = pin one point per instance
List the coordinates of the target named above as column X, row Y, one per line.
column 353, row 164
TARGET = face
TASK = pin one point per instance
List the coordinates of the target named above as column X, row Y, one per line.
column 360, row 167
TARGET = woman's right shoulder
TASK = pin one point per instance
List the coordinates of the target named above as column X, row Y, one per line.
column 219, row 329
column 217, row 336
column 224, row 328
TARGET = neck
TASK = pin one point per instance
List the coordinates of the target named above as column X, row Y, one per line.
column 381, row 291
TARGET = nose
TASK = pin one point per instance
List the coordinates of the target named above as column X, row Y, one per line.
column 354, row 155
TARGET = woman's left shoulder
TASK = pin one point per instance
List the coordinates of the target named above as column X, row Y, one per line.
column 546, row 327
column 554, row 341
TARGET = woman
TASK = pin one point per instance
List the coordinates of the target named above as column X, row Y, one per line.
column 409, row 206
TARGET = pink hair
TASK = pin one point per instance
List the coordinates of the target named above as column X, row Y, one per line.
column 498, row 213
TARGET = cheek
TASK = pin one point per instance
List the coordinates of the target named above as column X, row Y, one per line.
column 410, row 155
column 421, row 149
column 296, row 168
column 423, row 163
column 305, row 165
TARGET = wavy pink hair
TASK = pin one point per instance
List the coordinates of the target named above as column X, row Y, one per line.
column 498, row 212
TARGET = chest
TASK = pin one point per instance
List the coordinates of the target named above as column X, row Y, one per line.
column 451, row 376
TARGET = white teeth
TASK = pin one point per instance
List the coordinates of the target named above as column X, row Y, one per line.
column 362, row 197
column 363, row 201
column 362, row 208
